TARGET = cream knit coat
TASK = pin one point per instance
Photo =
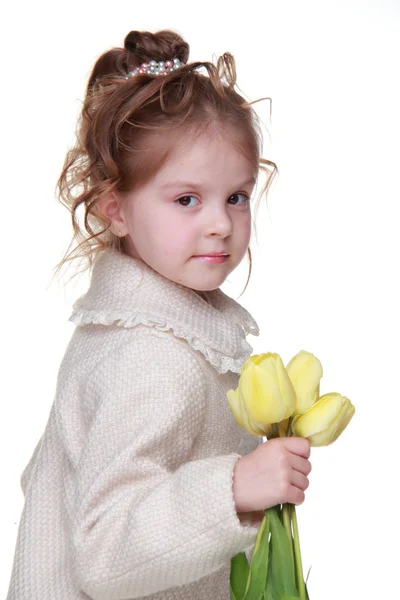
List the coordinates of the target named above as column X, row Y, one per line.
column 129, row 491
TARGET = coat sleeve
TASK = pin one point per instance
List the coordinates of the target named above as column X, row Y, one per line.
column 147, row 517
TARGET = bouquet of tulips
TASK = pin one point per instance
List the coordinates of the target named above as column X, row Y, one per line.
column 275, row 401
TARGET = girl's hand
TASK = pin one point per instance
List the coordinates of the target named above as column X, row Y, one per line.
column 253, row 518
column 275, row 473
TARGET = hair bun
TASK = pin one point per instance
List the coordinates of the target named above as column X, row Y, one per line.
column 131, row 40
column 162, row 45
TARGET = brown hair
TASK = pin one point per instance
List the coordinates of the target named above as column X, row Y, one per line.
column 124, row 117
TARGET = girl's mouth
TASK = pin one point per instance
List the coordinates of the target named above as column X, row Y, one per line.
column 212, row 258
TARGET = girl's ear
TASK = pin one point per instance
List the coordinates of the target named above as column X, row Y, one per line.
column 110, row 207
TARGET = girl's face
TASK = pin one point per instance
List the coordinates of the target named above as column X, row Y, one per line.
column 191, row 222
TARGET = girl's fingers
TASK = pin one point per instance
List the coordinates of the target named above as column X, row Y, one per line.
column 299, row 480
column 300, row 464
column 297, row 445
column 295, row 495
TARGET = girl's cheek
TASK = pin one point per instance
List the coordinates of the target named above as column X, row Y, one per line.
column 176, row 239
column 245, row 223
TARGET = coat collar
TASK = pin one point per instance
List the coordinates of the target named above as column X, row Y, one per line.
column 127, row 292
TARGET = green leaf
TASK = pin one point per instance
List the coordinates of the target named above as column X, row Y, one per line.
column 268, row 595
column 281, row 571
column 259, row 562
column 305, row 583
column 239, row 575
column 232, row 596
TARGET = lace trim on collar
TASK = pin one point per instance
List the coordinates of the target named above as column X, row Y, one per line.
column 128, row 293
column 221, row 362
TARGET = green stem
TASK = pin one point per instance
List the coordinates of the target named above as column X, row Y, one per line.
column 257, row 543
column 286, row 521
column 260, row 532
column 297, row 557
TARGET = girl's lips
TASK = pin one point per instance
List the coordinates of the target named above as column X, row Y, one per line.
column 212, row 258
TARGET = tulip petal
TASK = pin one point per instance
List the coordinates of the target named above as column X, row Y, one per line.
column 287, row 390
column 305, row 372
column 254, row 358
column 262, row 395
column 267, row 359
column 239, row 412
column 265, row 395
column 320, row 415
column 345, row 420
column 234, row 404
column 327, row 437
column 323, row 422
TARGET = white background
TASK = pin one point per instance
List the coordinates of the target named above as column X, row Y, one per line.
column 326, row 266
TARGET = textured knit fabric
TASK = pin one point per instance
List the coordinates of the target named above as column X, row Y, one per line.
column 128, row 493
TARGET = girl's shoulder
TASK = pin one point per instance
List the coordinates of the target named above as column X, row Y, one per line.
column 126, row 294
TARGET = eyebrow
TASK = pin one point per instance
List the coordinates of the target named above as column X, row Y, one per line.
column 192, row 184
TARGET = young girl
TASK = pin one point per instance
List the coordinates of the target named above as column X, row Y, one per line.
column 142, row 484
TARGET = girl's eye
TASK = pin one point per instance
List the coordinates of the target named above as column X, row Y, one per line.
column 186, row 201
column 238, row 199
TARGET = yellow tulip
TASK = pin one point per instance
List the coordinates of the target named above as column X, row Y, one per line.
column 236, row 404
column 325, row 420
column 305, row 372
column 264, row 395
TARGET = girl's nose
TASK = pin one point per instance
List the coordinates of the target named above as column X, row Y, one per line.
column 218, row 223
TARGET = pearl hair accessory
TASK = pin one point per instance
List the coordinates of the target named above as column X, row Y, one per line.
column 157, row 68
